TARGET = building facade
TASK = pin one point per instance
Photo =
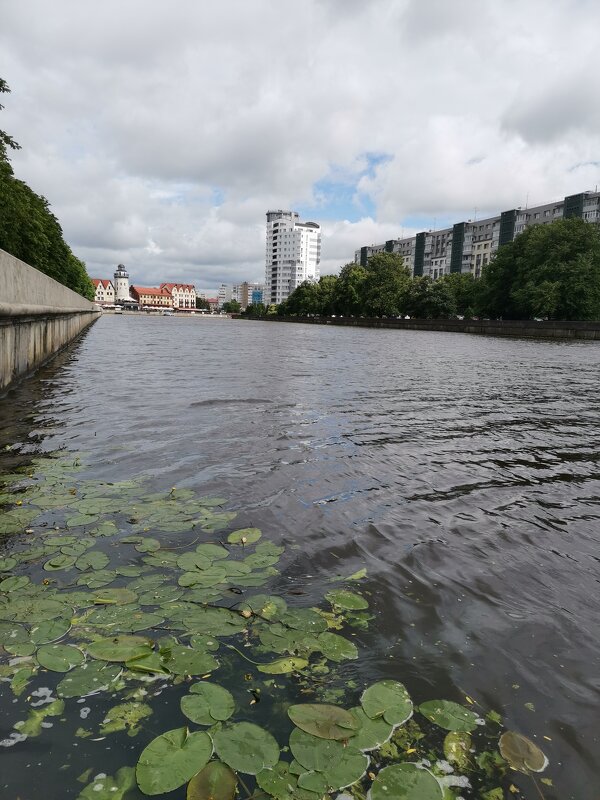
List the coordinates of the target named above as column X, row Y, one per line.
column 151, row 297
column 183, row 294
column 245, row 292
column 104, row 293
column 468, row 246
column 293, row 254
column 121, row 284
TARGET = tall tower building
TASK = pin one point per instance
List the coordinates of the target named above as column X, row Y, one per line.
column 293, row 254
column 121, row 284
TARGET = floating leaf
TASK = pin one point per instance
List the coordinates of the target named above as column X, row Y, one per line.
column 340, row 763
column 150, row 663
column 304, row 619
column 278, row 781
column 207, row 703
column 521, row 753
column 59, row 657
column 93, row 559
column 323, row 720
column 215, row 782
column 12, row 633
column 148, row 545
column 120, row 648
column 246, row 747
column 282, row 666
column 405, row 782
column 171, row 760
column 349, row 601
column 59, row 562
column 13, row 584
column 449, row 715
column 88, row 679
column 119, row 597
column 457, row 749
column 336, row 648
column 244, row 536
column 125, row 717
column 34, row 723
column 372, row 732
column 105, row 787
column 187, row 661
column 387, row 699
column 7, row 563
column 49, row 631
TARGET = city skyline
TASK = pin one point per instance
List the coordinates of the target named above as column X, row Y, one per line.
column 161, row 136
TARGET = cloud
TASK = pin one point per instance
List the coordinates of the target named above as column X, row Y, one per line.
column 161, row 135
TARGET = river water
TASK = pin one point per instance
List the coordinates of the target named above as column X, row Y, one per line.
column 461, row 471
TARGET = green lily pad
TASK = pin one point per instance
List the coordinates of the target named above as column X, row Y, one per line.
column 278, row 781
column 449, row 715
column 521, row 753
column 244, row 536
column 119, row 648
column 304, row 619
column 324, row 720
column 350, row 601
column 89, row 678
column 13, row 584
column 336, row 648
column 246, row 747
column 125, row 717
column 211, row 576
column 59, row 657
column 97, row 579
column 264, row 605
column 93, row 559
column 213, row 552
column 387, row 699
column 59, row 562
column 7, row 563
column 372, row 732
column 148, row 545
column 215, row 782
column 149, row 663
column 12, row 633
column 405, row 782
column 207, row 703
column 105, row 787
column 171, row 760
column 314, row 754
column 187, row 661
column 119, row 597
column 49, row 630
column 283, row 666
column 457, row 749
column 34, row 723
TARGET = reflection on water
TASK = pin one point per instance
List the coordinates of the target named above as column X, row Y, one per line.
column 463, row 472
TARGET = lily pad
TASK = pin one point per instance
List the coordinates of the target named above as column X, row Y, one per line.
column 59, row 657
column 12, row 633
column 88, row 679
column 207, row 703
column 278, row 781
column 171, row 760
column 188, row 661
column 125, row 717
column 119, row 597
column 13, row 584
column 321, row 755
column 215, row 782
column 93, row 559
column 59, row 562
column 246, row 747
column 282, row 666
column 449, row 715
column 35, row 721
column 387, row 699
column 244, row 536
column 350, row 601
column 457, row 749
column 49, row 630
column 105, row 787
column 336, row 648
column 324, row 720
column 119, row 648
column 405, row 782
column 521, row 753
column 372, row 732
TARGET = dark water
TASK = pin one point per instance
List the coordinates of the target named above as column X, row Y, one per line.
column 463, row 472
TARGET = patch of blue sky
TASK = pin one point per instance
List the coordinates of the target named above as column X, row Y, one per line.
column 337, row 195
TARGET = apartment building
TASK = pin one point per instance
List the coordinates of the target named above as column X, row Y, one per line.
column 468, row 246
column 293, row 254
column 104, row 292
column 245, row 293
column 183, row 294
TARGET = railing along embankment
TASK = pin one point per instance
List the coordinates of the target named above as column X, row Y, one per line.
column 38, row 317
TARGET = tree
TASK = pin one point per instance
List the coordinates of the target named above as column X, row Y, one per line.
column 255, row 310
column 232, row 307
column 386, row 285
column 550, row 270
column 201, row 302
column 327, row 290
column 304, row 300
column 349, row 292
column 464, row 291
column 30, row 231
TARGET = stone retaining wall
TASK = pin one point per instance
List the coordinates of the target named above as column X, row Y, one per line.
column 38, row 317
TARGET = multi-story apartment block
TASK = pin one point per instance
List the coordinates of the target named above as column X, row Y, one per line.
column 183, row 294
column 151, row 297
column 293, row 254
column 224, row 295
column 468, row 246
column 104, row 292
column 244, row 292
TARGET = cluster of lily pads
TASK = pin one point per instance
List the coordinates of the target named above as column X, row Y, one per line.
column 109, row 591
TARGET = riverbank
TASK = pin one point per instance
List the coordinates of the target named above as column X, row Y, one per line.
column 550, row 329
column 38, row 317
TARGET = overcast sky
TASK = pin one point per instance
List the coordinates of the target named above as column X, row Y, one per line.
column 162, row 132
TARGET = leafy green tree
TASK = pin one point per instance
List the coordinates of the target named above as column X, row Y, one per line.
column 349, row 292
column 232, row 307
column 386, row 285
column 428, row 299
column 549, row 271
column 201, row 302
column 327, row 289
column 305, row 299
column 464, row 290
column 29, row 230
column 255, row 310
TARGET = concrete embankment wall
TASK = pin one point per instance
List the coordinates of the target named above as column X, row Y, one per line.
column 552, row 329
column 38, row 317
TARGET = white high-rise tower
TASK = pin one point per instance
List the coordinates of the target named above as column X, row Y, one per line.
column 293, row 254
column 121, row 284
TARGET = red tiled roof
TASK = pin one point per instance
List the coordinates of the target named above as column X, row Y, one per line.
column 171, row 286
column 101, row 282
column 150, row 290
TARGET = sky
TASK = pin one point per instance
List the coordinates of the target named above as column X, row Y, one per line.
column 161, row 133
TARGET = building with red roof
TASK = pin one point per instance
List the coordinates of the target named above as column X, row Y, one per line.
column 183, row 294
column 104, row 292
column 151, row 297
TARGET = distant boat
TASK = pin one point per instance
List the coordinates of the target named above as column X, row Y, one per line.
column 118, row 310
column 167, row 313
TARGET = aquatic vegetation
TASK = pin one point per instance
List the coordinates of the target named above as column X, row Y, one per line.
column 113, row 592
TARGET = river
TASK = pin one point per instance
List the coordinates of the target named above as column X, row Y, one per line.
column 462, row 472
